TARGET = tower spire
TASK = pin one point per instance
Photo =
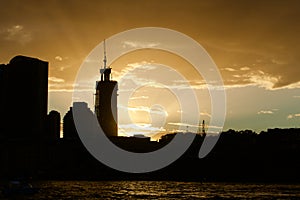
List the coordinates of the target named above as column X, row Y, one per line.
column 104, row 60
column 103, row 71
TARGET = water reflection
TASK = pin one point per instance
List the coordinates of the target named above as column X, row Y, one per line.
column 91, row 190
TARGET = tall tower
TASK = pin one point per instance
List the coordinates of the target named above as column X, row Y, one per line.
column 106, row 100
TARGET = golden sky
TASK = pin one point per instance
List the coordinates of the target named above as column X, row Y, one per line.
column 255, row 45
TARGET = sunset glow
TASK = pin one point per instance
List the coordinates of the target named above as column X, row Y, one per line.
column 254, row 44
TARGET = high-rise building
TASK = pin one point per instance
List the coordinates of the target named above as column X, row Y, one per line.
column 106, row 101
column 53, row 125
column 23, row 97
column 69, row 129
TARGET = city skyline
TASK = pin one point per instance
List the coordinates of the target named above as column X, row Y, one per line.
column 254, row 44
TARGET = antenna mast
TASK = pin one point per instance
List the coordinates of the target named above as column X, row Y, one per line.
column 104, row 60
column 102, row 70
column 203, row 127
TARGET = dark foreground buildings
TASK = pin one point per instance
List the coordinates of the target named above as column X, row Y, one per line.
column 23, row 98
column 27, row 149
column 242, row 156
column 23, row 114
column 69, row 129
column 53, row 126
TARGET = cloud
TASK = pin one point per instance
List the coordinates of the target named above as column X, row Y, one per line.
column 291, row 116
column 17, row 33
column 229, row 69
column 278, row 62
column 58, row 58
column 244, row 68
column 135, row 78
column 142, row 66
column 258, row 78
column 242, row 78
column 265, row 112
column 265, row 81
column 152, row 110
column 61, row 90
column 56, row 80
column 291, row 86
column 183, row 124
column 138, row 44
column 138, row 109
column 205, row 114
column 139, row 97
column 67, row 87
column 132, row 72
column 62, row 68
column 139, row 128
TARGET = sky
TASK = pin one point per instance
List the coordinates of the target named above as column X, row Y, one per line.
column 254, row 44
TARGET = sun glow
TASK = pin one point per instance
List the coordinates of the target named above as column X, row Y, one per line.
column 150, row 92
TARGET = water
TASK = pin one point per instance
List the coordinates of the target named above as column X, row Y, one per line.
column 90, row 190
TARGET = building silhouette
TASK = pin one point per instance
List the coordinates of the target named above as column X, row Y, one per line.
column 69, row 129
column 23, row 98
column 23, row 114
column 53, row 125
column 106, row 101
column 28, row 150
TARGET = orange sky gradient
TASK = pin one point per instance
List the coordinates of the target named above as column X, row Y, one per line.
column 255, row 45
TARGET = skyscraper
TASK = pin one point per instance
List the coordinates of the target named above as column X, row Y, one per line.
column 106, row 101
column 69, row 128
column 53, row 125
column 23, row 97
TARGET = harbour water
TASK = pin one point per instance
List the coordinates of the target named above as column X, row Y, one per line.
column 91, row 190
